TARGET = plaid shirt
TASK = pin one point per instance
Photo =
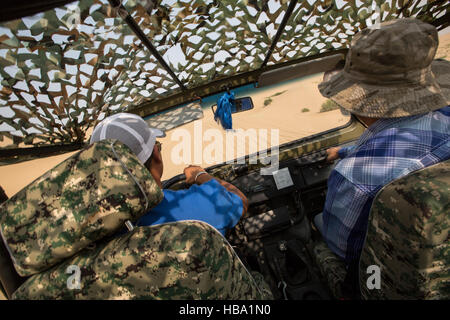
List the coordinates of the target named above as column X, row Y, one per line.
column 387, row 150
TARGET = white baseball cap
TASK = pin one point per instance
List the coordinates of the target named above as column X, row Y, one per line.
column 131, row 130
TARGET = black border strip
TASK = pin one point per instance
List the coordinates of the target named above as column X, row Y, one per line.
column 16, row 9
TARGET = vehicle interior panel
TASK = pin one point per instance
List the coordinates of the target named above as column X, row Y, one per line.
column 275, row 233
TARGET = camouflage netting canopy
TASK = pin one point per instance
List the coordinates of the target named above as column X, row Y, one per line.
column 64, row 69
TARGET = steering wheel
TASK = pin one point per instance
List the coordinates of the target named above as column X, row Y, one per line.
column 180, row 179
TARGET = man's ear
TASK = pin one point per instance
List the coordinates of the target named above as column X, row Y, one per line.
column 156, row 155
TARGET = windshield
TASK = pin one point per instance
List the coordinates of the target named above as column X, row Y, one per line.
column 282, row 113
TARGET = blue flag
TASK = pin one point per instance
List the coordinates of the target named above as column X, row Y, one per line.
column 223, row 110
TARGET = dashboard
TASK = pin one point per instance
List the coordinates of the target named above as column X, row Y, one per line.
column 296, row 190
column 274, row 237
column 274, row 234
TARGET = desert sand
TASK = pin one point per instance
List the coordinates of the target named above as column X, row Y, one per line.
column 283, row 113
column 444, row 46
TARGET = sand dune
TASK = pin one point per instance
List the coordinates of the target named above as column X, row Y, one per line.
column 444, row 47
column 284, row 113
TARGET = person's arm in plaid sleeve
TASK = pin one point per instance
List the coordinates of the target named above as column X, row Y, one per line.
column 338, row 153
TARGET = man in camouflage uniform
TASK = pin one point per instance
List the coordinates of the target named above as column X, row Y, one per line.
column 389, row 84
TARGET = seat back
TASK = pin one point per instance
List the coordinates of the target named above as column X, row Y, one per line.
column 9, row 278
column 408, row 238
column 81, row 200
column 180, row 260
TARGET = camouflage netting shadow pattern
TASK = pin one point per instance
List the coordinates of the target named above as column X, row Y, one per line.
column 63, row 70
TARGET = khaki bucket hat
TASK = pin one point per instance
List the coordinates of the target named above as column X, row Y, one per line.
column 389, row 72
column 441, row 71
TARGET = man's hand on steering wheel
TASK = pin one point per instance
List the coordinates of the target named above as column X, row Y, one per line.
column 192, row 172
column 333, row 154
column 194, row 175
